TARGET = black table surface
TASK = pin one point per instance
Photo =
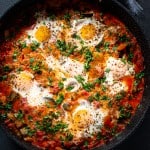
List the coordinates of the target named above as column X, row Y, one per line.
column 140, row 140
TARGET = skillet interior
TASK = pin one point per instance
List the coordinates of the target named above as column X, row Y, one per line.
column 118, row 10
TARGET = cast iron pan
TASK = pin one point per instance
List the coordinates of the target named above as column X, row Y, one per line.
column 124, row 15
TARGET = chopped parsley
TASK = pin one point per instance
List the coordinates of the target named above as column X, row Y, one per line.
column 114, row 48
column 139, row 75
column 123, row 60
column 52, row 16
column 88, row 57
column 61, row 45
column 36, row 67
column 3, row 116
column 130, row 56
column 106, row 45
column 69, row 137
column 15, row 54
column 104, row 97
column 30, row 132
column 100, row 80
column 30, row 118
column 18, row 70
column 67, row 17
column 6, row 68
column 6, row 107
column 50, row 81
column 31, row 60
column 104, row 88
column 3, row 77
column 69, row 88
column 23, row 45
column 88, row 86
column 97, row 96
column 66, row 49
column 59, row 126
column 75, row 36
column 120, row 95
column 60, row 99
column 47, row 126
column 34, row 45
column 124, row 114
column 60, row 85
column 107, row 70
column 80, row 79
column 123, row 38
column 86, row 143
column 86, row 65
column 99, row 136
column 97, row 47
column 29, row 36
column 19, row 115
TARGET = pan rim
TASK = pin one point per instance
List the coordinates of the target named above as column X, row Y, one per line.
column 146, row 104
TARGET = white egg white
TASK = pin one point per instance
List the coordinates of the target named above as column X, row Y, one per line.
column 85, row 120
column 66, row 65
column 25, row 85
column 116, row 69
column 54, row 26
column 76, row 27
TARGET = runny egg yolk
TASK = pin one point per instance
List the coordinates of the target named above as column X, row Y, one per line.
column 42, row 34
column 26, row 76
column 24, row 81
column 81, row 119
column 88, row 32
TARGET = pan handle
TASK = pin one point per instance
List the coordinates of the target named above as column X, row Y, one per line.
column 132, row 5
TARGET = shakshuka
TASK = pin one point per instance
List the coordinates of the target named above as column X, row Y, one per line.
column 69, row 78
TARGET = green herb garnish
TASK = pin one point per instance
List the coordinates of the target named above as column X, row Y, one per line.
column 106, row 45
column 66, row 49
column 15, row 54
column 60, row 99
column 120, row 95
column 69, row 137
column 67, row 17
column 104, row 97
column 23, row 45
column 19, row 115
column 139, row 75
column 50, row 81
column 34, row 45
column 97, row 96
column 60, row 85
column 3, row 77
column 123, row 38
column 107, row 70
column 88, row 86
column 6, row 68
column 88, row 57
column 124, row 114
column 80, row 79
column 69, row 88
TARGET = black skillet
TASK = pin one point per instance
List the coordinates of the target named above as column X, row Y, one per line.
column 124, row 15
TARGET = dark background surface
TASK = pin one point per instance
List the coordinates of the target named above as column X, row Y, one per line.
column 140, row 139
